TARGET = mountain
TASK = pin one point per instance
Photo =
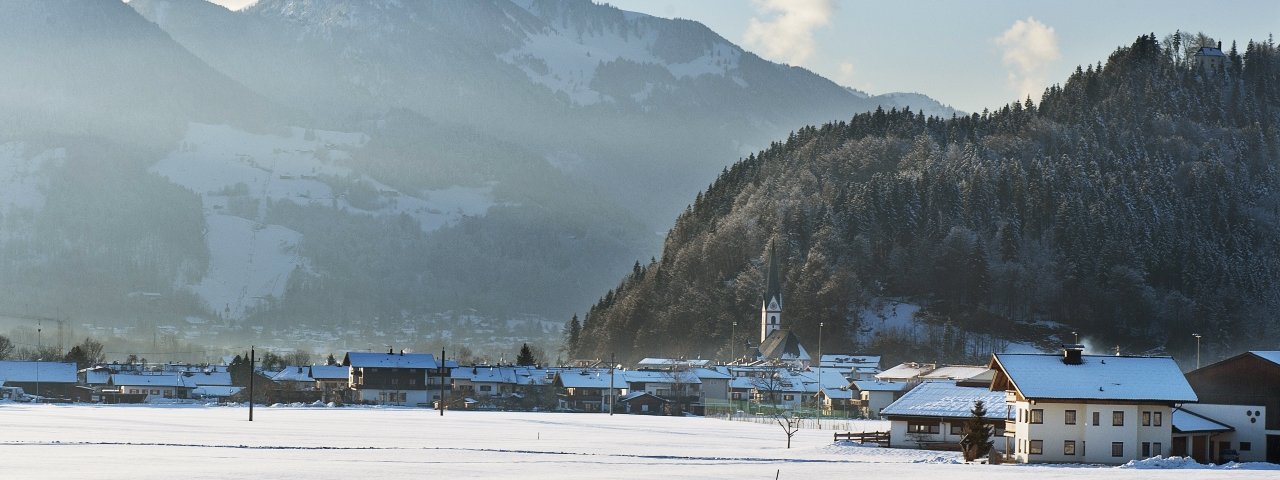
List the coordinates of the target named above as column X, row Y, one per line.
column 1134, row 204
column 618, row 98
column 96, row 67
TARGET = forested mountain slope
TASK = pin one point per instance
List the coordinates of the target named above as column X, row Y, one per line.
column 1136, row 203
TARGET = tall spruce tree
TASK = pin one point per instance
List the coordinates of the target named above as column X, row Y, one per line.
column 976, row 441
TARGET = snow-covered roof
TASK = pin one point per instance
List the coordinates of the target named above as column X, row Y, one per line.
column 218, row 391
column 672, row 362
column 534, row 376
column 637, row 394
column 486, row 374
column 211, row 378
column 293, row 373
column 955, row 372
column 1272, row 356
column 709, row 374
column 1191, row 422
column 944, row 399
column 1211, row 52
column 838, row 393
column 330, row 372
column 96, row 375
column 879, row 386
column 1101, row 377
column 393, row 360
column 169, row 379
column 783, row 345
column 931, row 371
column 31, row 371
column 841, row 360
column 649, row 376
column 592, row 378
column 906, row 371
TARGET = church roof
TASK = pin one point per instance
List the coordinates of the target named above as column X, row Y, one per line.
column 773, row 290
column 783, row 345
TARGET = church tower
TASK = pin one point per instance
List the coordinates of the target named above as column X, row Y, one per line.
column 771, row 307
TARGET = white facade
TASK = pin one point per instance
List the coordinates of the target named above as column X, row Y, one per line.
column 394, row 397
column 1249, row 437
column 1088, row 432
column 770, row 318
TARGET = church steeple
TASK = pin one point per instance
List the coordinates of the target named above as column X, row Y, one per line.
column 771, row 307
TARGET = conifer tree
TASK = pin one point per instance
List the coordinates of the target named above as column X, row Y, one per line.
column 976, row 440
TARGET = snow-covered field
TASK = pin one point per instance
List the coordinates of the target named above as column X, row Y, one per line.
column 139, row 442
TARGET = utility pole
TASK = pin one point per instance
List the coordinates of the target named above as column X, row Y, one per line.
column 824, row 394
column 252, row 359
column 733, row 342
column 612, row 360
column 39, row 352
column 444, row 396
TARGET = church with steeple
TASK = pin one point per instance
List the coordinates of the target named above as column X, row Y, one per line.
column 777, row 343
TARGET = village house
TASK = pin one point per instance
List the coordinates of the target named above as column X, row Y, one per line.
column 589, row 389
column 932, row 415
column 46, row 379
column 1198, row 433
column 874, row 395
column 928, row 372
column 1251, row 382
column 853, row 367
column 484, row 382
column 397, row 378
column 155, row 385
column 331, row 381
column 1088, row 408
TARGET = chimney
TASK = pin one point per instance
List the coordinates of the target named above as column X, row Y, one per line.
column 1071, row 354
column 391, row 351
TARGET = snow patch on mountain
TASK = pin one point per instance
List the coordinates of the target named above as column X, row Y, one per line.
column 237, row 174
column 565, row 61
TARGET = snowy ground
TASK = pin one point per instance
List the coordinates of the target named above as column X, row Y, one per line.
column 48, row 441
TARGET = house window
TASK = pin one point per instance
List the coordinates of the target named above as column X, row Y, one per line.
column 1146, row 449
column 1117, row 449
column 1070, row 418
column 788, row 397
column 1037, row 415
column 1156, row 450
column 1117, row 418
column 1146, row 419
column 957, row 429
column 922, row 427
column 1159, row 420
column 1037, row 447
column 1069, row 447
column 486, row 388
column 1244, row 446
column 155, row 392
column 413, row 381
column 1097, row 418
column 395, row 381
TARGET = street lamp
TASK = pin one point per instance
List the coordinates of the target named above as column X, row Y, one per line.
column 1197, row 335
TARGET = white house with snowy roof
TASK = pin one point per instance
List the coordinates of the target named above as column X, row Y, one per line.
column 1088, row 408
column 932, row 415
column 154, row 385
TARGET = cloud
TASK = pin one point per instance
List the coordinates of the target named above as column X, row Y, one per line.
column 783, row 29
column 1029, row 47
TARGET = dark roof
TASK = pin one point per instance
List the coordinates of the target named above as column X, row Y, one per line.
column 773, row 289
column 782, row 344
column 1210, row 52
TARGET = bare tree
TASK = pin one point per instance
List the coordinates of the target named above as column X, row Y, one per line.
column 6, row 347
column 790, row 424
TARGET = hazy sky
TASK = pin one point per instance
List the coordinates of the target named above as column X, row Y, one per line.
column 970, row 54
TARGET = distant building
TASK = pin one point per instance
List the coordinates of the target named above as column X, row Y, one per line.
column 412, row 379
column 47, row 379
column 777, row 343
column 1248, row 379
column 1088, row 408
column 1211, row 59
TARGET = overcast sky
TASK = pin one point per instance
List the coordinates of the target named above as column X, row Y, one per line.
column 971, row 55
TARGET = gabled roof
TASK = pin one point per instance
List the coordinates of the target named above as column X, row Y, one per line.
column 672, row 362
column 710, row 374
column 840, row 360
column 1190, row 422
column 30, row 371
column 1098, row 377
column 1210, row 52
column 170, row 379
column 1272, row 356
column 211, row 378
column 591, row 378
column 218, row 391
column 293, row 373
column 879, row 386
column 944, row 399
column 640, row 394
column 838, row 393
column 486, row 374
column 391, row 360
column 783, row 345
column 330, row 372
column 649, row 376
